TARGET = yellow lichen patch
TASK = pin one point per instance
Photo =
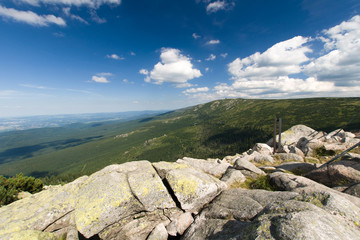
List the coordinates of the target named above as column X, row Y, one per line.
column 30, row 235
column 98, row 198
column 184, row 185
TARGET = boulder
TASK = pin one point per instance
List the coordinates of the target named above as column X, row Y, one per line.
column 297, row 220
column 294, row 134
column 180, row 224
column 29, row 235
column 262, row 148
column 159, row 233
column 329, row 199
column 296, row 167
column 214, row 167
column 192, row 188
column 297, row 151
column 354, row 190
column 264, row 159
column 230, row 212
column 308, row 145
column 338, row 173
column 247, row 168
column 288, row 157
column 135, row 227
column 39, row 210
column 233, row 177
column 231, row 159
column 129, row 189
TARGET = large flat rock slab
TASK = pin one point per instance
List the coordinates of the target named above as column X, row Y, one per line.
column 192, row 188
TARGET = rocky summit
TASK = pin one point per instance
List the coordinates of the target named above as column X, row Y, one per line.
column 204, row 199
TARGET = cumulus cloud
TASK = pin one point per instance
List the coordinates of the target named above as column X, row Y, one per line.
column 30, row 17
column 213, row 42
column 101, row 77
column 212, row 57
column 174, row 68
column 114, row 56
column 89, row 3
column 144, row 71
column 285, row 70
column 282, row 59
column 341, row 63
column 215, row 6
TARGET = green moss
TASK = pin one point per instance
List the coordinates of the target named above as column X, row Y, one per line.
column 262, row 182
column 317, row 199
column 322, row 152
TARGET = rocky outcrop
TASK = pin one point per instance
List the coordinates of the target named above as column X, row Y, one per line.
column 201, row 199
column 343, row 172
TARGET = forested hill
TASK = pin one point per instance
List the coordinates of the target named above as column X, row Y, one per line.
column 214, row 129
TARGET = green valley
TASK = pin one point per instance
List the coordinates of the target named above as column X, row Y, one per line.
column 211, row 130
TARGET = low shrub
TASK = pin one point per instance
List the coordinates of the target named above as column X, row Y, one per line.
column 10, row 187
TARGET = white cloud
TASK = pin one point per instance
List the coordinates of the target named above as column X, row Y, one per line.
column 271, row 74
column 184, row 85
column 30, row 17
column 66, row 11
column 114, row 56
column 195, row 36
column 282, row 59
column 95, row 17
column 216, row 6
column 89, row 3
column 35, row 86
column 132, row 54
column 207, row 69
column 196, row 90
column 212, row 42
column 173, row 68
column 341, row 63
column 212, row 57
column 144, row 71
column 100, row 79
column 224, row 55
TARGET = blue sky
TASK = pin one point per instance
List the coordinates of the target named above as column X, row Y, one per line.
column 81, row 56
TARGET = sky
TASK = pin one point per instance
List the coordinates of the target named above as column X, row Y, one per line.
column 87, row 56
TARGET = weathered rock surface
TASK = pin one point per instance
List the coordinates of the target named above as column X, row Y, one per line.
column 262, row 148
column 214, row 167
column 296, row 167
column 264, row 159
column 331, row 200
column 192, row 188
column 354, row 190
column 232, row 177
column 247, row 168
column 294, row 134
column 289, row 157
column 339, row 173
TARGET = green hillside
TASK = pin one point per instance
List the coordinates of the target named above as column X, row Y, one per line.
column 215, row 129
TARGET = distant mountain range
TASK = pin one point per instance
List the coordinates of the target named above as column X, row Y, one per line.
column 23, row 123
column 211, row 130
